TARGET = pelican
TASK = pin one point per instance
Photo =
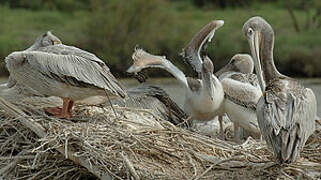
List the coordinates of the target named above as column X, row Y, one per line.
column 242, row 92
column 46, row 39
column 286, row 112
column 192, row 55
column 63, row 71
column 203, row 97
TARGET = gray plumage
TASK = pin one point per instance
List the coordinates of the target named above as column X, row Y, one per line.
column 61, row 49
column 194, row 84
column 286, row 117
column 98, row 73
column 241, row 93
column 46, row 39
column 287, row 110
column 244, row 97
column 62, row 75
column 60, row 70
column 155, row 98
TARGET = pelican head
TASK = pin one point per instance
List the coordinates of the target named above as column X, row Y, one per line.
column 207, row 77
column 260, row 36
column 46, row 39
column 242, row 63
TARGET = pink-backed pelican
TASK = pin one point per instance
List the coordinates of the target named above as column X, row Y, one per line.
column 286, row 112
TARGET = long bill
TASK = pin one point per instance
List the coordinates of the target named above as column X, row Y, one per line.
column 192, row 51
column 226, row 68
column 209, row 37
column 255, row 50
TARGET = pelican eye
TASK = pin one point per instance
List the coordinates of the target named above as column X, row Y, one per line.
column 249, row 31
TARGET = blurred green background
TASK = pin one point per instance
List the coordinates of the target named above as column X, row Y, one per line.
column 112, row 28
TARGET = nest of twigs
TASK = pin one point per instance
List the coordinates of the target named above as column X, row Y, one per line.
column 135, row 144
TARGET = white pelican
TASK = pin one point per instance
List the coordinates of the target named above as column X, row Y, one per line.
column 286, row 112
column 63, row 71
column 242, row 92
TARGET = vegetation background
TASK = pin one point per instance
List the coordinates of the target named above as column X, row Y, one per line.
column 112, row 28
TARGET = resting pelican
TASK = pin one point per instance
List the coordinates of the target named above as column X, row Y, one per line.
column 64, row 71
column 242, row 92
column 46, row 39
column 287, row 110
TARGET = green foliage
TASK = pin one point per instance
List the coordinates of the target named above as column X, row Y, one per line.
column 121, row 25
column 111, row 29
column 19, row 28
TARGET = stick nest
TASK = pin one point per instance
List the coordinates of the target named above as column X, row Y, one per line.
column 137, row 145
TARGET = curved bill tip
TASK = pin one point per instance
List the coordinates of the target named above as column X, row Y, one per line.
column 219, row 23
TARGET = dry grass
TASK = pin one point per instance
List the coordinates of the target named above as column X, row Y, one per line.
column 137, row 145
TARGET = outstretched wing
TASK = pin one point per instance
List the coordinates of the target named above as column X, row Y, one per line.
column 286, row 119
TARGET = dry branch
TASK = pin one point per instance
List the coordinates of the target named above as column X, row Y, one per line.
column 40, row 131
column 5, row 170
column 130, row 167
column 136, row 145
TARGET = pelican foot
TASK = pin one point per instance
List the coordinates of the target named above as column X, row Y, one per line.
column 57, row 112
column 54, row 111
column 63, row 116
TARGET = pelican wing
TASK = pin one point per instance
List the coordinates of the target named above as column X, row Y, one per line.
column 194, row 84
column 242, row 89
column 74, row 70
column 155, row 98
column 168, row 108
column 192, row 52
column 61, row 49
column 286, row 119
